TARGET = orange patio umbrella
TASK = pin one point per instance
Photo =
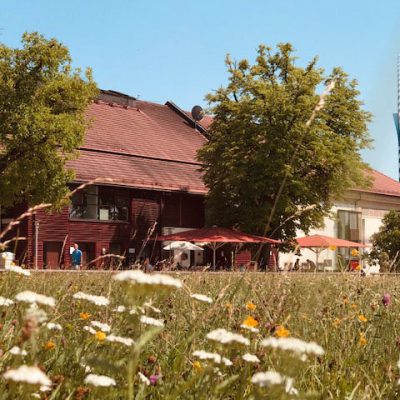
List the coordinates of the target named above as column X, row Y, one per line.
column 319, row 243
column 215, row 237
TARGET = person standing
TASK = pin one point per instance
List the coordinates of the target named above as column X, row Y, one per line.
column 76, row 257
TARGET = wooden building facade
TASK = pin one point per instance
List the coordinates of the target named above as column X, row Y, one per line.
column 143, row 158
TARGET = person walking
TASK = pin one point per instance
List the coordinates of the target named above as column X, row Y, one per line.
column 76, row 258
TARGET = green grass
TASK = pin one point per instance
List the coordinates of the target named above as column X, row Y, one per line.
column 320, row 308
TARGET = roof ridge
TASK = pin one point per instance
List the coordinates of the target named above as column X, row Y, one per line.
column 122, row 153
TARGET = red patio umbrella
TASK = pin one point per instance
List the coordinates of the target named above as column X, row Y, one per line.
column 216, row 237
column 319, row 243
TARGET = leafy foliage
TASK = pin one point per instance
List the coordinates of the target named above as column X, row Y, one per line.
column 260, row 122
column 386, row 242
column 42, row 122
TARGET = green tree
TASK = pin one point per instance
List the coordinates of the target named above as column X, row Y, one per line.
column 42, row 119
column 260, row 138
column 386, row 242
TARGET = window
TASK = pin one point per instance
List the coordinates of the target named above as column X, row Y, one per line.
column 115, row 248
column 100, row 203
column 349, row 225
column 349, row 228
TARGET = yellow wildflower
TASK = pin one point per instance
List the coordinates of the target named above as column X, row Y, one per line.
column 354, row 305
column 250, row 322
column 251, row 306
column 197, row 366
column 100, row 336
column 354, row 253
column 362, row 341
column 362, row 318
column 282, row 332
column 84, row 315
column 49, row 345
column 336, row 322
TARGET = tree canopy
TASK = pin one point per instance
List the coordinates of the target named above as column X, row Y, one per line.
column 259, row 138
column 42, row 121
column 386, row 242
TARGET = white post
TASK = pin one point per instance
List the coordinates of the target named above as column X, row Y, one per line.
column 36, row 243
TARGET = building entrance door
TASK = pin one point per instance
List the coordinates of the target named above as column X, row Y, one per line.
column 51, row 254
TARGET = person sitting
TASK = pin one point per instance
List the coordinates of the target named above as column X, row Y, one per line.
column 312, row 265
column 296, row 266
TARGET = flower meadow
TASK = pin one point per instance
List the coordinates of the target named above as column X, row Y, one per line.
column 131, row 335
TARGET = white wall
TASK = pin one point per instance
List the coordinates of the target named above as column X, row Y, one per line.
column 373, row 208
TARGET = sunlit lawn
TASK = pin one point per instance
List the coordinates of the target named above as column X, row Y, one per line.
column 344, row 314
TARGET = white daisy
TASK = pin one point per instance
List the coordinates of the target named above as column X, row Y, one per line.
column 151, row 321
column 270, row 378
column 32, row 375
column 99, row 380
column 140, row 278
column 225, row 337
column 289, row 388
column 120, row 339
column 17, row 270
column 250, row 358
column 45, row 388
column 201, row 297
column 90, row 330
column 34, row 312
column 54, row 327
column 31, row 297
column 120, row 309
column 103, row 327
column 16, row 351
column 215, row 357
column 298, row 346
column 144, row 379
column 5, row 302
column 98, row 300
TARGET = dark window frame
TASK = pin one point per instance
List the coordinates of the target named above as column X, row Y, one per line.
column 117, row 204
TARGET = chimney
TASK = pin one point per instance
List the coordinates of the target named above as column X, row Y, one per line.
column 111, row 96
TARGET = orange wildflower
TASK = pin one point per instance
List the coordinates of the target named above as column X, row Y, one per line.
column 251, row 306
column 282, row 332
column 100, row 336
column 49, row 345
column 250, row 322
column 197, row 366
column 84, row 315
column 362, row 341
column 362, row 318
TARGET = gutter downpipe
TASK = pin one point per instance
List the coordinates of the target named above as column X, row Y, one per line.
column 36, row 243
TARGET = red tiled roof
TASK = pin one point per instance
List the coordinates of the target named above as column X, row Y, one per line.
column 146, row 146
column 152, row 146
column 151, row 129
column 382, row 184
column 205, row 122
column 132, row 171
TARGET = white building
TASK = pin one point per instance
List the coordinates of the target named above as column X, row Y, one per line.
column 356, row 217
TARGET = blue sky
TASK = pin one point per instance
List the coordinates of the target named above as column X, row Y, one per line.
column 174, row 49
